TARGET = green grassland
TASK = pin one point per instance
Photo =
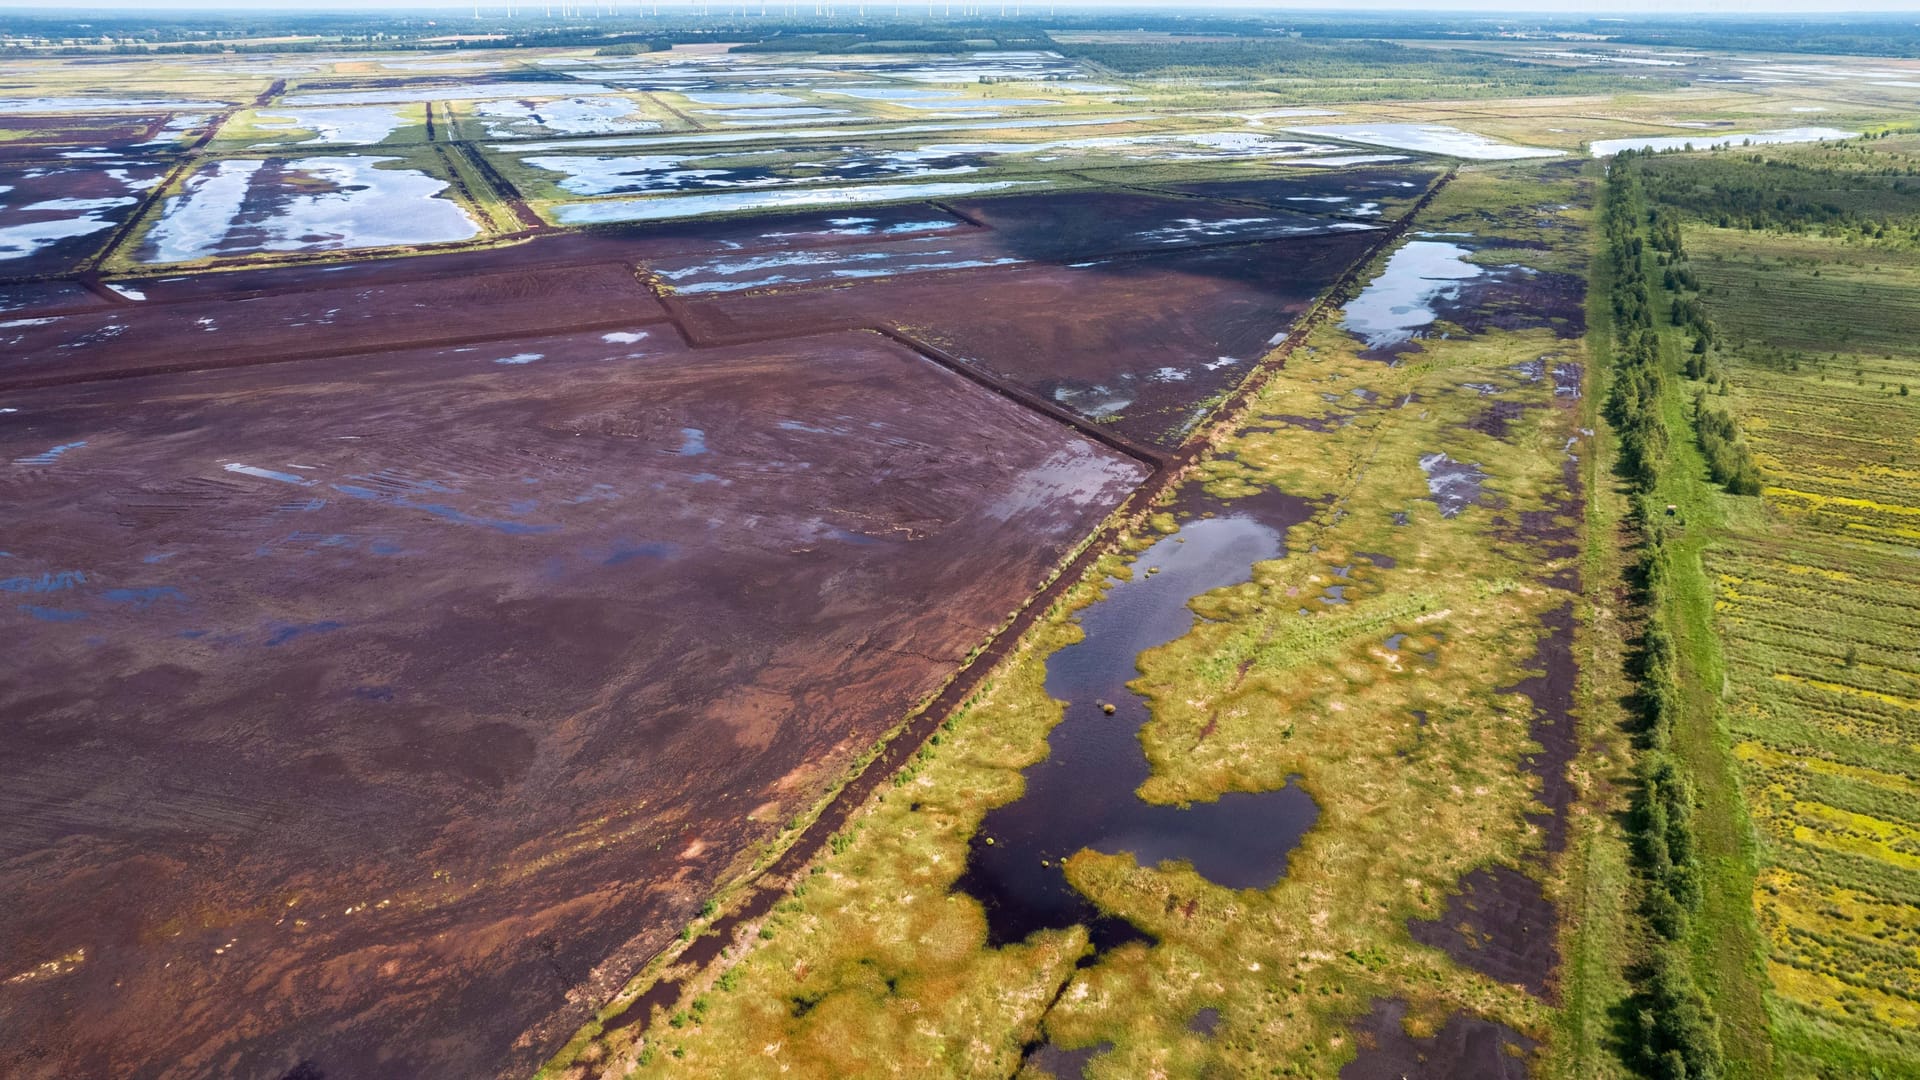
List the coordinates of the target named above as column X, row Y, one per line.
column 1818, row 598
column 873, row 965
column 1813, row 590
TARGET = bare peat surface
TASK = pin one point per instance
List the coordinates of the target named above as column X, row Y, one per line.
column 1464, row 1047
column 42, row 298
column 1499, row 924
column 58, row 137
column 254, row 329
column 1336, row 192
column 1083, row 794
column 1141, row 342
column 362, row 710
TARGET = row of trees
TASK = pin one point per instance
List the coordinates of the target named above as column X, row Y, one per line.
column 1729, row 460
column 1675, row 1033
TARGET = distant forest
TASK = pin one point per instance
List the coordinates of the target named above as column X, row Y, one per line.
column 1266, row 37
column 1836, row 189
column 1327, row 70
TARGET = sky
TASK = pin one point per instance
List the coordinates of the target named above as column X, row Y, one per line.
column 989, row 7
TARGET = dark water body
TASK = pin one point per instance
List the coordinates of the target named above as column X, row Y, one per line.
column 1083, row 794
column 1064, row 1064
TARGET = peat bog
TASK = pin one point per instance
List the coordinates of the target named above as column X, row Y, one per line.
column 949, row 548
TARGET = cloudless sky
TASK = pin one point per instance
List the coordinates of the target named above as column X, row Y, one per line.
column 1028, row 7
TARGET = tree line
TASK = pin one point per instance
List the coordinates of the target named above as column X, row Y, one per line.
column 1674, row 1033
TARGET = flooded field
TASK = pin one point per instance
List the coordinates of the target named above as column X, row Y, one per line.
column 1005, row 231
column 683, row 140
column 1609, row 147
column 506, row 119
column 434, row 90
column 51, row 217
column 39, row 106
column 242, row 206
column 350, row 125
column 616, row 210
column 70, row 137
column 675, row 172
column 1427, row 138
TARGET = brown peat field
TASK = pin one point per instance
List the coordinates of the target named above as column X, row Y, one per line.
column 703, row 563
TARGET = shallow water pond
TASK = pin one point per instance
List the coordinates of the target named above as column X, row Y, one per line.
column 685, row 206
column 706, row 138
column 734, row 115
column 248, row 205
column 505, row 119
column 1083, row 794
column 1400, row 302
column 348, row 124
column 1610, row 147
column 472, row 91
column 1427, row 139
column 10, row 106
column 755, row 98
column 1454, row 485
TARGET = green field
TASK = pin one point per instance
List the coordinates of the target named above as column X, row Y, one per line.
column 1826, row 711
column 1816, row 592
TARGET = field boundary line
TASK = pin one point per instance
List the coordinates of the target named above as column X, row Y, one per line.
column 503, row 188
column 695, row 126
column 1020, row 396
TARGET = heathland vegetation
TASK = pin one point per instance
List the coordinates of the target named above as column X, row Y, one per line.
column 1765, row 312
